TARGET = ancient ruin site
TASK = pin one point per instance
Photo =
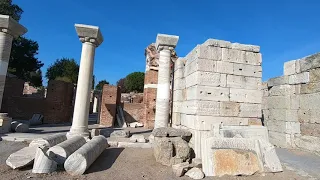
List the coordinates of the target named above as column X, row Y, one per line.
column 208, row 114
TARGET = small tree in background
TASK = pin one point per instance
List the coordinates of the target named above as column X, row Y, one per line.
column 63, row 69
column 121, row 84
column 134, row 82
column 100, row 84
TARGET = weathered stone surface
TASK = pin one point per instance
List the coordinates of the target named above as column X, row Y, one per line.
column 233, row 55
column 22, row 158
column 196, row 162
column 310, row 88
column 289, row 67
column 180, row 169
column 195, row 173
column 134, row 145
column 204, row 108
column 254, row 132
column 250, row 110
column 310, row 62
column 217, row 43
column 138, row 138
column 206, row 79
column 278, row 81
column 243, row 82
column 181, row 148
column 80, row 160
column 299, row 78
column 244, row 95
column 270, row 160
column 43, row 163
column 163, row 150
column 309, row 143
column 22, row 128
column 151, row 139
column 62, row 151
column 49, row 141
column 120, row 133
column 87, row 31
column 170, row 132
column 235, row 162
column 166, row 40
column 207, row 93
column 247, row 70
column 310, row 129
column 135, row 124
column 14, row 124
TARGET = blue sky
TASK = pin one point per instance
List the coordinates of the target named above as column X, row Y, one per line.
column 285, row 29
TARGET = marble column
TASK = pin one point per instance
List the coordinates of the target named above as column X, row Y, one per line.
column 164, row 44
column 9, row 29
column 91, row 37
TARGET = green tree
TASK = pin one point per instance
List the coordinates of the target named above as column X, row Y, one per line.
column 23, row 62
column 100, row 84
column 63, row 69
column 134, row 82
column 121, row 84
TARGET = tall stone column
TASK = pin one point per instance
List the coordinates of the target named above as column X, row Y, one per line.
column 9, row 29
column 164, row 44
column 91, row 37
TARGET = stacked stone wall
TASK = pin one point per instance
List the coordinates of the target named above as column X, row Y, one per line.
column 291, row 105
column 217, row 83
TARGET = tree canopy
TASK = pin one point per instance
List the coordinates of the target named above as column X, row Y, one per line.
column 23, row 61
column 64, row 69
column 134, row 82
column 100, row 84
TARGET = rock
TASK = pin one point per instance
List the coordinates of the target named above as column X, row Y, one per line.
column 163, row 151
column 22, row 158
column 120, row 133
column 170, row 132
column 62, row 151
column 151, row 139
column 49, row 141
column 14, row 124
column 235, row 162
column 181, row 149
column 135, row 124
column 22, row 128
column 196, row 162
column 195, row 173
column 138, row 138
column 80, row 160
column 43, row 163
column 180, row 169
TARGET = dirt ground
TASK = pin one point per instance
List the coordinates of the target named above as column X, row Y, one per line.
column 118, row 164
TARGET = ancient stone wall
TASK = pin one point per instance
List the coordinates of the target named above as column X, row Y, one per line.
column 291, row 105
column 111, row 96
column 217, row 83
column 13, row 88
column 133, row 112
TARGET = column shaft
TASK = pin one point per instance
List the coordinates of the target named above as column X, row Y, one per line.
column 82, row 102
column 163, row 91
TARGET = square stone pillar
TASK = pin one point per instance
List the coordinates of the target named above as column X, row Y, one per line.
column 91, row 37
column 164, row 44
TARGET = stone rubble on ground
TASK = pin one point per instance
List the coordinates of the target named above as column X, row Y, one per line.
column 135, row 124
column 180, row 169
column 49, row 141
column 195, row 173
column 170, row 132
column 120, row 133
column 138, row 138
column 43, row 163
column 196, row 162
column 22, row 158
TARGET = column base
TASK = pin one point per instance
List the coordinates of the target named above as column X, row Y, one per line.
column 78, row 132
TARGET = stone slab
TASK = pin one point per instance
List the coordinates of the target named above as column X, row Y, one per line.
column 170, row 132
column 207, row 93
column 278, row 81
column 245, row 95
column 247, row 70
column 243, row 82
column 299, row 78
column 195, row 173
column 22, row 158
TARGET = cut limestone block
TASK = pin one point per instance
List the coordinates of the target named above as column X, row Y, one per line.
column 163, row 151
column 14, row 124
column 138, row 138
column 195, row 173
column 80, row 160
column 62, row 151
column 49, row 141
column 43, row 163
column 22, row 128
column 170, row 132
column 180, row 169
column 22, row 158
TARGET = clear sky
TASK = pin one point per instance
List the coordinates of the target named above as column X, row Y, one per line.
column 285, row 29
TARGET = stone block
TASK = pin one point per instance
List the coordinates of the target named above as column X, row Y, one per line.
column 247, row 70
column 166, row 40
column 310, row 62
column 284, row 127
column 16, row 29
column 253, row 58
column 179, row 63
column 179, row 84
column 309, row 116
column 209, row 52
column 282, row 90
column 255, row 122
column 217, row 43
column 195, row 173
column 229, row 109
column 289, row 67
column 224, row 67
column 250, row 110
column 278, row 102
column 134, row 145
column 22, row 158
column 253, row 132
column 201, row 107
column 299, row 78
column 180, row 169
column 245, row 95
column 181, row 149
column 207, row 93
column 243, row 82
column 281, row 140
column 43, row 163
column 177, row 107
column 163, row 150
column 200, row 64
column 179, row 73
column 138, row 138
column 81, row 160
column 176, row 118
column 246, row 47
column 170, row 132
column 120, row 133
column 309, row 143
column 310, row 88
column 233, row 55
column 278, row 81
column 179, row 95
column 310, row 129
column 314, row 75
column 310, row 101
column 206, row 79
column 265, row 92
column 283, row 115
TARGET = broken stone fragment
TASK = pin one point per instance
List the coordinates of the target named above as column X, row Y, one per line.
column 22, row 128
column 43, row 163
column 120, row 133
column 62, row 151
column 80, row 160
column 180, row 169
column 151, row 139
column 170, row 132
column 181, row 149
column 95, row 132
column 136, row 124
column 195, row 173
column 163, row 151
column 196, row 162
column 138, row 138
column 49, row 141
column 22, row 158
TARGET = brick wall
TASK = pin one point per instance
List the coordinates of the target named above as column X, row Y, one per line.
column 291, row 105
column 133, row 112
column 111, row 96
